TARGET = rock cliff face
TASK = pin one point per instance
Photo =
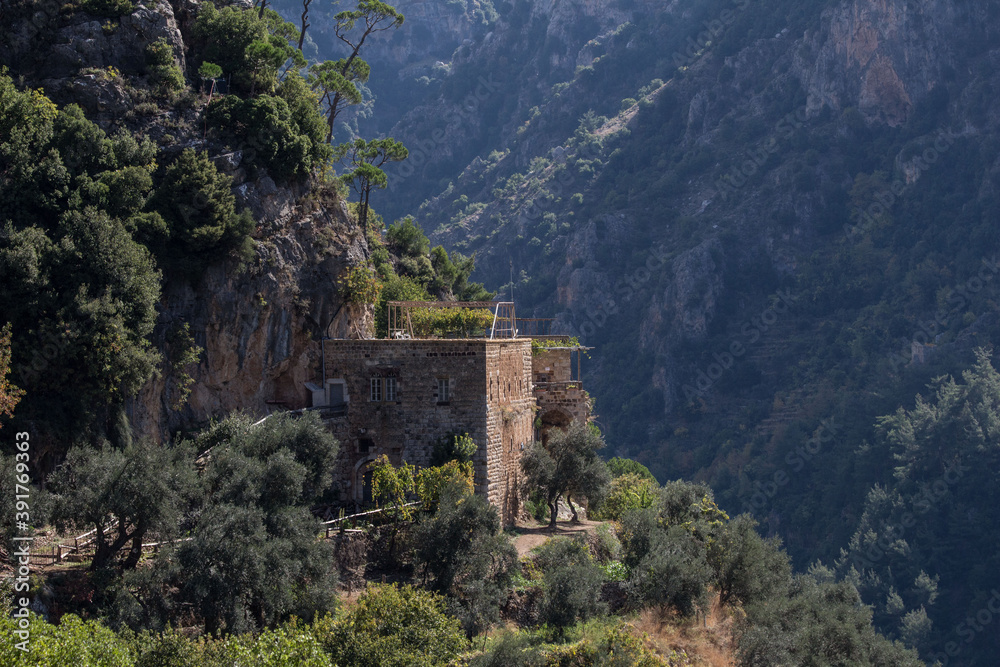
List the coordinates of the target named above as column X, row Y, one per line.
column 750, row 98
column 260, row 326
column 878, row 56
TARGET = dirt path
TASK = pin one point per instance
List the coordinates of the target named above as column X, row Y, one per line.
column 529, row 535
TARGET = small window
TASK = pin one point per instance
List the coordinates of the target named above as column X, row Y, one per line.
column 444, row 390
column 376, row 389
column 365, row 445
column 390, row 389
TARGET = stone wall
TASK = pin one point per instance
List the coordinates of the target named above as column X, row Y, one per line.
column 491, row 400
column 510, row 422
column 559, row 399
column 552, row 365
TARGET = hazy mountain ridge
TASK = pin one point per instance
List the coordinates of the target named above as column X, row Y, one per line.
column 755, row 242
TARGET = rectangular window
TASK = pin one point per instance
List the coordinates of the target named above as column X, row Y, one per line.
column 376, row 389
column 444, row 390
column 390, row 389
column 365, row 445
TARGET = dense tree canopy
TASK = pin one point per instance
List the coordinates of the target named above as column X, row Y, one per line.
column 566, row 465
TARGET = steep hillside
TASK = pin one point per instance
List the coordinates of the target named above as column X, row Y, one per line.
column 748, row 175
column 774, row 222
column 229, row 328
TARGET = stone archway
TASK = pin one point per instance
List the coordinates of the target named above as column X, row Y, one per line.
column 552, row 418
column 361, row 488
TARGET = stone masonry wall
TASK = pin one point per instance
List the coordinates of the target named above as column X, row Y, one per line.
column 553, row 365
column 510, row 422
column 491, row 400
column 559, row 399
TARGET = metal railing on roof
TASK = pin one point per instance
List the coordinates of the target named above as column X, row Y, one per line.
column 400, row 317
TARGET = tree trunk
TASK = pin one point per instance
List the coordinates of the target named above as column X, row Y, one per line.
column 569, row 501
column 106, row 552
column 305, row 22
column 333, row 117
column 553, row 512
column 135, row 553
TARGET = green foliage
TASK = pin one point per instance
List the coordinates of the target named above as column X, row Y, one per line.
column 816, row 624
column 406, row 240
column 162, row 68
column 391, row 485
column 454, row 447
column 365, row 159
column 72, row 642
column 571, row 583
column 625, row 493
column 674, row 572
column 619, row 466
column 926, row 525
column 10, row 394
column 565, row 466
column 422, row 274
column 267, row 129
column 748, row 568
column 395, row 288
column 109, row 8
column 465, row 555
column 183, row 352
column 90, row 292
column 360, row 286
column 125, row 495
column 443, row 322
column 198, row 205
column 432, row 482
column 393, row 626
column 538, row 345
column 246, row 45
column 251, row 558
column 209, row 71
column 260, row 482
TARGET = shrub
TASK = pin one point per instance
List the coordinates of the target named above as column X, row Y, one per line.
column 625, row 493
column 393, row 626
column 463, row 551
column 674, row 572
column 72, row 642
column 265, row 128
column 162, row 68
column 360, row 286
column 200, row 210
column 571, row 582
column 619, row 466
column 109, row 8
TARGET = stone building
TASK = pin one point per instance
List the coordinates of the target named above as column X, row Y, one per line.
column 559, row 398
column 402, row 396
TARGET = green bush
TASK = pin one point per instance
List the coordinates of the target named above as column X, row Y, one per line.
column 109, row 8
column 571, row 582
column 163, row 70
column 393, row 626
column 625, row 493
column 200, row 210
column 675, row 572
column 247, row 46
column 265, row 128
column 72, row 642
column 619, row 466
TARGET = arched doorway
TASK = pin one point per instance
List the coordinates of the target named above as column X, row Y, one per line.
column 553, row 418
